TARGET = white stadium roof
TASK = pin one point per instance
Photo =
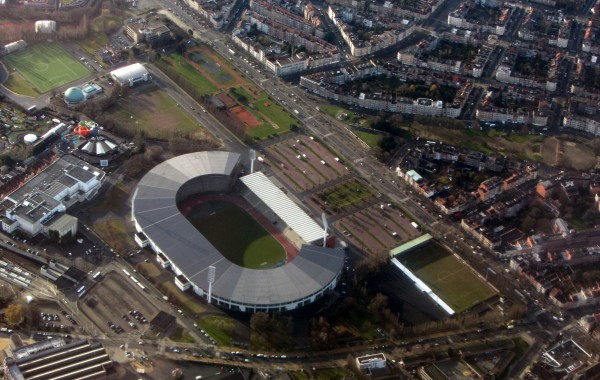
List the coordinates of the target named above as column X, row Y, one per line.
column 284, row 207
column 127, row 73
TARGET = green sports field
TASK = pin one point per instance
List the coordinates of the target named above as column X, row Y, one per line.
column 46, row 66
column 238, row 237
column 449, row 279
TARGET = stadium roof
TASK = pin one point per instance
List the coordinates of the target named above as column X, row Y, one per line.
column 158, row 217
column 284, row 207
column 124, row 74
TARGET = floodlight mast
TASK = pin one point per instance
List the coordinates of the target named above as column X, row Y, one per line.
column 211, row 279
column 252, row 158
column 325, row 227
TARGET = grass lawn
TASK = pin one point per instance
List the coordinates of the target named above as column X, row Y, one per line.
column 46, row 66
column 18, row 84
column 298, row 375
column 345, row 195
column 218, row 327
column 338, row 113
column 239, row 237
column 275, row 113
column 332, row 374
column 184, row 301
column 371, row 139
column 182, row 336
column 114, row 232
column 449, row 279
column 195, row 77
column 139, row 112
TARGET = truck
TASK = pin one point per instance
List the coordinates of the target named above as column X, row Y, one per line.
column 415, row 225
column 296, row 112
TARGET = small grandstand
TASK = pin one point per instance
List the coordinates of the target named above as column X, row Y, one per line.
column 160, row 223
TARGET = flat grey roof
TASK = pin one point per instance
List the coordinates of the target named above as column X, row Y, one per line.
column 156, row 213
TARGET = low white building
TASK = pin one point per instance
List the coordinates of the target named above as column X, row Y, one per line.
column 33, row 207
column 371, row 361
column 131, row 75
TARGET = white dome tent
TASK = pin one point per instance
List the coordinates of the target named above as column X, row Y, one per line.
column 45, row 26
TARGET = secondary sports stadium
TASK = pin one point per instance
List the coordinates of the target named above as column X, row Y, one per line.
column 160, row 209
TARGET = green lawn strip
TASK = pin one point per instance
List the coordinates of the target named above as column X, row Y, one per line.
column 298, row 375
column 185, row 302
column 371, row 139
column 275, row 113
column 332, row 374
column 181, row 336
column 320, row 158
column 218, row 327
column 286, row 159
column 19, row 85
column 334, row 111
column 189, row 72
column 368, row 231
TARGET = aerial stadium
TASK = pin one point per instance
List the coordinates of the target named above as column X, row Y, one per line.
column 190, row 211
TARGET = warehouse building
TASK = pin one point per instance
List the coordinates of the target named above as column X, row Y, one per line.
column 36, row 206
column 56, row 359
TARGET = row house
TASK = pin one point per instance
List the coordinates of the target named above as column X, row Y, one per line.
column 582, row 123
column 506, row 115
column 282, row 32
column 284, row 16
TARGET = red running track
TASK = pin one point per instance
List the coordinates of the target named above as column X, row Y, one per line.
column 290, row 250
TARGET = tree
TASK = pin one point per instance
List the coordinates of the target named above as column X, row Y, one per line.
column 15, row 314
column 259, row 321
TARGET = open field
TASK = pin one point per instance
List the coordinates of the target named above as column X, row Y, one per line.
column 373, row 228
column 218, row 327
column 236, row 235
column 200, row 82
column 449, row 279
column 278, row 120
column 371, row 139
column 138, row 111
column 46, row 66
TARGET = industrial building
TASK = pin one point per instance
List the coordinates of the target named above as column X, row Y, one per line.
column 56, row 359
column 161, row 225
column 36, row 206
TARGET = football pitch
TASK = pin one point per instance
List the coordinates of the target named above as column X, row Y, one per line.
column 235, row 234
column 46, row 66
column 449, row 279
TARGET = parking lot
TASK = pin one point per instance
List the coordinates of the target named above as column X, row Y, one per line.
column 117, row 306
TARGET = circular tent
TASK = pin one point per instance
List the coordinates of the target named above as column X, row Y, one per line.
column 74, row 95
column 30, row 138
column 45, row 26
